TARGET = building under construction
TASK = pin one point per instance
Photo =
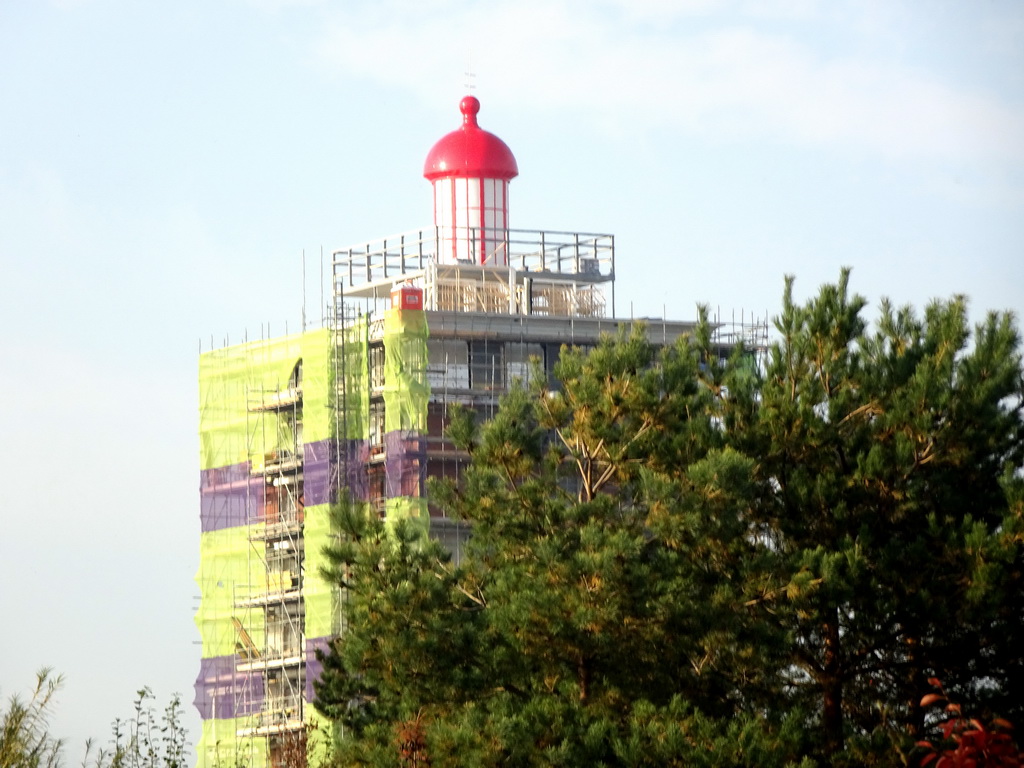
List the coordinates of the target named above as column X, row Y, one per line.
column 453, row 313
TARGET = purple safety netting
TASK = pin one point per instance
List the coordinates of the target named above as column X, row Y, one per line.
column 229, row 497
column 314, row 667
column 357, row 457
column 223, row 693
column 317, row 461
column 320, row 463
column 406, row 465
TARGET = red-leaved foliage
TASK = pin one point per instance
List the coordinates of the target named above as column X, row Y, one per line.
column 967, row 742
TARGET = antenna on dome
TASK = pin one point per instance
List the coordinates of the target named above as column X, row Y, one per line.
column 470, row 83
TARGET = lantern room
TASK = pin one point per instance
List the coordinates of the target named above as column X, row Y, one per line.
column 470, row 170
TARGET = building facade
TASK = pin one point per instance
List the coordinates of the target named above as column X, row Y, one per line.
column 453, row 313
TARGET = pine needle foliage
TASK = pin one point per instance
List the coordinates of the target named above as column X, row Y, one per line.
column 679, row 557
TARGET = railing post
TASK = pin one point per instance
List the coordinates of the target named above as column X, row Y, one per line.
column 612, row 273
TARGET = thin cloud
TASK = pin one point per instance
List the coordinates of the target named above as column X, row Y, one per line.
column 698, row 73
column 277, row 6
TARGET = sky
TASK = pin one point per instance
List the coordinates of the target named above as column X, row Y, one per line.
column 165, row 168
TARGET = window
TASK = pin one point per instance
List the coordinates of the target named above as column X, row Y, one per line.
column 518, row 357
column 447, row 364
column 376, row 424
column 376, row 354
column 486, row 364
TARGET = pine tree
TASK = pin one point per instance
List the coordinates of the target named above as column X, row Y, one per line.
column 603, row 604
column 679, row 558
column 884, row 462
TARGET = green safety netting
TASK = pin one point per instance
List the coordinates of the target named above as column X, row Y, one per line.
column 406, row 391
column 228, row 572
column 220, row 747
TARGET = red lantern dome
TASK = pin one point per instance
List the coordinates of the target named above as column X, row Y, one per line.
column 470, row 170
column 470, row 151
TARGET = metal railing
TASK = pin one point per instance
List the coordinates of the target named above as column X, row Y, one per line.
column 568, row 254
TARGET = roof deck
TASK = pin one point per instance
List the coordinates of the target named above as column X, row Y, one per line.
column 548, row 273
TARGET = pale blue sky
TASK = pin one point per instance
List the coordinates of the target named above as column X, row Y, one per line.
column 163, row 166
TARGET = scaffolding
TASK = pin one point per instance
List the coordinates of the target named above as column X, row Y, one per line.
column 274, row 597
column 266, row 431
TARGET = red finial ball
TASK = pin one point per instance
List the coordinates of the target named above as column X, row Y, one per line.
column 469, row 106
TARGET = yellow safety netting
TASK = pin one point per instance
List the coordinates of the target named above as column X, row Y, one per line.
column 408, row 508
column 352, row 369
column 241, row 390
column 240, row 386
column 220, row 747
column 406, row 391
column 323, row 616
column 318, row 738
column 406, row 395
column 317, row 377
column 225, row 576
column 246, row 392
column 251, row 396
